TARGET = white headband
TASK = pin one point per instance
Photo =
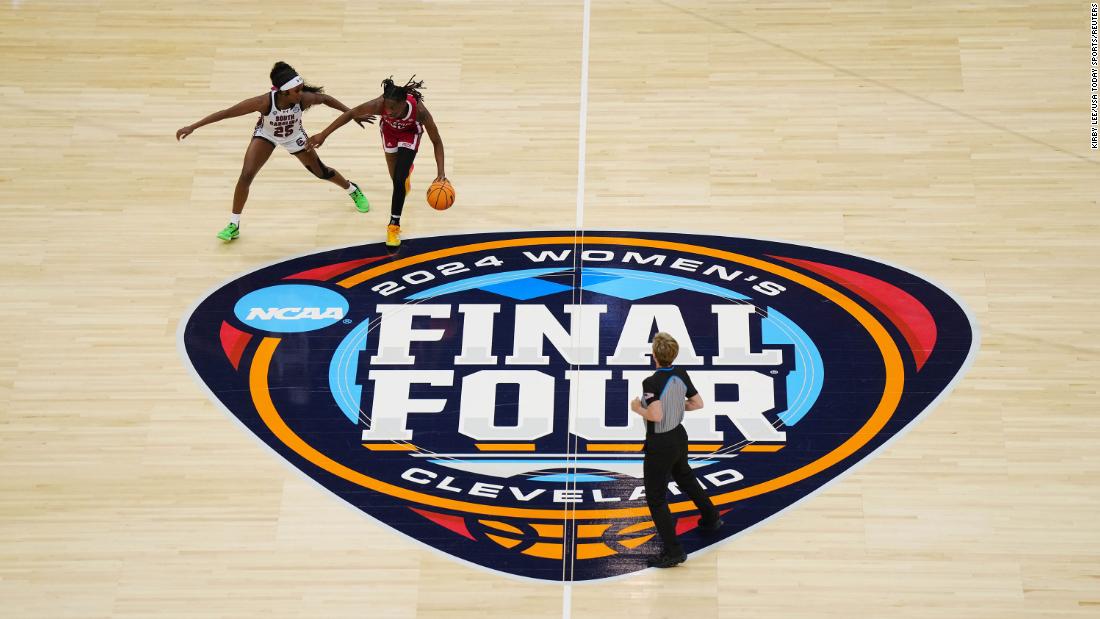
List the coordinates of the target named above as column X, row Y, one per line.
column 295, row 81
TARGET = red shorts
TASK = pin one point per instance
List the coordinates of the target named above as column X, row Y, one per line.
column 393, row 139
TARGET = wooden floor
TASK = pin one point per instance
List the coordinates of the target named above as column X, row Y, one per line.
column 950, row 137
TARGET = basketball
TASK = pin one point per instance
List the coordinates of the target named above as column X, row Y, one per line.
column 441, row 195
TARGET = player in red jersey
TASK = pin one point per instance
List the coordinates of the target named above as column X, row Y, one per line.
column 404, row 119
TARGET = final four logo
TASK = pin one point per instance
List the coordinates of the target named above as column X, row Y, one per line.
column 473, row 391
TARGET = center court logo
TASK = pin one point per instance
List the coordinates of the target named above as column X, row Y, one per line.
column 472, row 392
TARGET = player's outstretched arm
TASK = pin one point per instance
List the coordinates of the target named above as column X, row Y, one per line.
column 248, row 106
column 310, row 99
column 370, row 108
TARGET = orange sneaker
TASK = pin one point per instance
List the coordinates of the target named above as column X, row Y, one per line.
column 393, row 235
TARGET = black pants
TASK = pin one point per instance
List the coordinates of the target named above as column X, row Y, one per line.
column 666, row 455
column 401, row 169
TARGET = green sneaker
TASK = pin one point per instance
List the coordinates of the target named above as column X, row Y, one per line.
column 230, row 232
column 360, row 200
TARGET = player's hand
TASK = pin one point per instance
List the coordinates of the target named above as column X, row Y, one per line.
column 315, row 141
column 369, row 119
column 184, row 132
column 441, row 177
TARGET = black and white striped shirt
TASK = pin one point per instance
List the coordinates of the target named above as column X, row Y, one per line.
column 672, row 386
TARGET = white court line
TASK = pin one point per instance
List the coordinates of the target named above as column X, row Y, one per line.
column 582, row 147
column 582, row 139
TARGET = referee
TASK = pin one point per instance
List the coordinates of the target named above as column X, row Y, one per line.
column 667, row 394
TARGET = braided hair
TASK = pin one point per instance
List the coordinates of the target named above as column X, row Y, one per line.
column 393, row 92
column 282, row 73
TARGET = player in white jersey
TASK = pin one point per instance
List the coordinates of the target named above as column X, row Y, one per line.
column 280, row 123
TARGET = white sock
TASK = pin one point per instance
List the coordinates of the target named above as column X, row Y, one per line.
column 352, row 188
column 235, row 219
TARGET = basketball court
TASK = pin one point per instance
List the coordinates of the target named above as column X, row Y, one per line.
column 946, row 144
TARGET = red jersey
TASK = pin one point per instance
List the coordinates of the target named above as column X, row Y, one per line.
column 405, row 124
column 403, row 132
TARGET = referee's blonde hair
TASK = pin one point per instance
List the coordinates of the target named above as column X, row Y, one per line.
column 665, row 348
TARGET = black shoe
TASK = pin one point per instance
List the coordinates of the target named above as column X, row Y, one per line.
column 667, row 560
column 711, row 527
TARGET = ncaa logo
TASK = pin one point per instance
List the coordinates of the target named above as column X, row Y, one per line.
column 473, row 391
column 291, row 308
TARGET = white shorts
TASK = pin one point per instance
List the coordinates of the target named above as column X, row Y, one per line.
column 295, row 144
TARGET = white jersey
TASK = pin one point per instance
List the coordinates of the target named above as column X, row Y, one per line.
column 282, row 127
